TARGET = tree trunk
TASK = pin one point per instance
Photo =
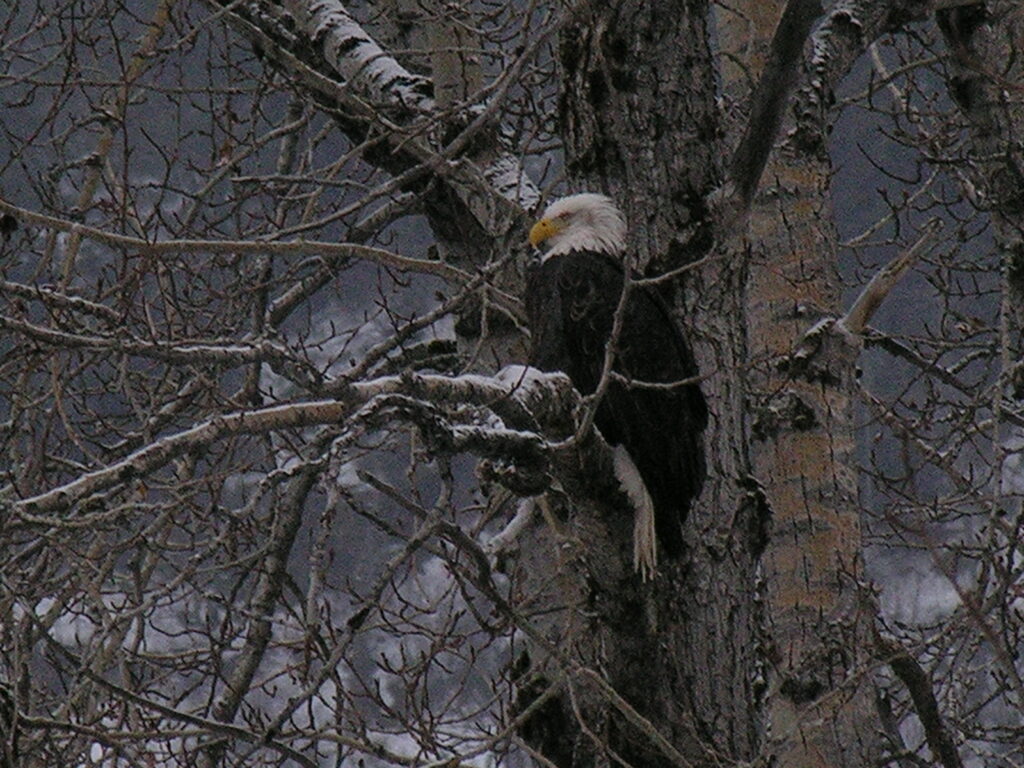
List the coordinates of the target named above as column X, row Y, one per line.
column 820, row 702
column 696, row 653
column 986, row 41
column 638, row 106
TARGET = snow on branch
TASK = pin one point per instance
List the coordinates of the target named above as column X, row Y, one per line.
column 373, row 77
column 849, row 27
column 506, row 175
column 56, row 299
column 165, row 449
column 361, row 61
column 358, row 58
column 813, row 356
column 522, row 455
column 233, row 353
column 524, row 400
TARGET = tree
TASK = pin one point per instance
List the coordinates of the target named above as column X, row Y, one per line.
column 279, row 491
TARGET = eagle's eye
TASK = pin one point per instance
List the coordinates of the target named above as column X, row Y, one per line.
column 564, row 215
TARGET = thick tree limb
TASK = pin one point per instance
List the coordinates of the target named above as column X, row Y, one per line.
column 513, row 399
column 849, row 27
column 358, row 58
column 770, row 98
column 846, row 32
column 372, row 81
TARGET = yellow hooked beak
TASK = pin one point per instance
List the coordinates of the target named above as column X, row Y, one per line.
column 544, row 229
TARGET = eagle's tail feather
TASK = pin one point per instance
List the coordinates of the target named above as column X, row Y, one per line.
column 645, row 540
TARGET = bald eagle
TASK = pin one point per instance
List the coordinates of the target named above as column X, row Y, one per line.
column 571, row 296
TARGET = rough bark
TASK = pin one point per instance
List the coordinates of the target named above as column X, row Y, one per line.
column 639, row 125
column 476, row 200
column 638, row 106
column 986, row 42
column 819, row 703
column 839, row 40
column 760, row 619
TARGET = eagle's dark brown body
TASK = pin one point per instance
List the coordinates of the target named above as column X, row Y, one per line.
column 571, row 299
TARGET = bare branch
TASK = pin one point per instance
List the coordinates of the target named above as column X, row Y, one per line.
column 918, row 683
column 506, row 395
column 873, row 294
column 294, row 247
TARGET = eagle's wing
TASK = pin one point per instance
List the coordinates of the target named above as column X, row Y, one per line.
column 572, row 300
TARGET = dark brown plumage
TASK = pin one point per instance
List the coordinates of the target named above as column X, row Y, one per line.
column 571, row 298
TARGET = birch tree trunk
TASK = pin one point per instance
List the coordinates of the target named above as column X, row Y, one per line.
column 450, row 53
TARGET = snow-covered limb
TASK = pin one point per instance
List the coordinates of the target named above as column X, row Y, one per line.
column 233, row 353
column 850, row 327
column 358, row 58
column 370, row 74
column 55, row 299
column 164, row 449
column 501, row 541
column 511, row 398
column 849, row 27
column 521, row 457
column 508, row 178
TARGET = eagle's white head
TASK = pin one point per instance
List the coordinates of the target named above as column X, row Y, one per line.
column 585, row 222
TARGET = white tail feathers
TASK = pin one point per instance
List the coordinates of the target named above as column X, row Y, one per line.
column 645, row 540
